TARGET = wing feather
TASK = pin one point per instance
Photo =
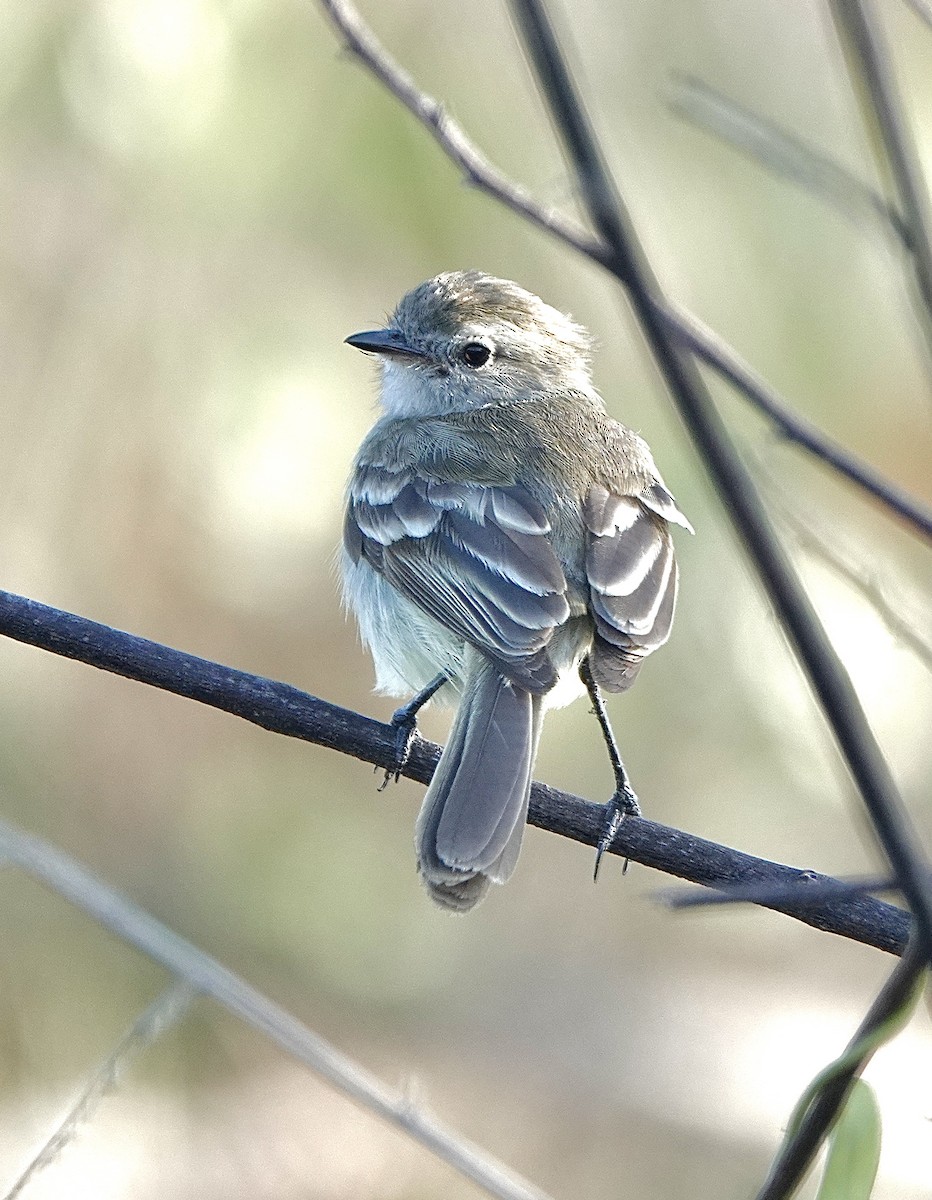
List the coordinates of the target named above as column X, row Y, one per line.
column 632, row 578
column 657, row 498
column 477, row 558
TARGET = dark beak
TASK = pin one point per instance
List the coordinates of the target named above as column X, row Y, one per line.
column 384, row 341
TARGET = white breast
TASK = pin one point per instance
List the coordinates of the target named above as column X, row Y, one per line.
column 408, row 647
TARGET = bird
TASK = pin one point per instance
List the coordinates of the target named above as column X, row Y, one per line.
column 506, row 545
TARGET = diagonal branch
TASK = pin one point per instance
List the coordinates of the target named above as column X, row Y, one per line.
column 891, row 1008
column 450, row 135
column 889, row 598
column 874, row 77
column 207, row 976
column 922, row 9
column 681, row 324
column 825, row 671
column 284, row 709
column 715, row 353
column 164, row 1012
column 784, row 155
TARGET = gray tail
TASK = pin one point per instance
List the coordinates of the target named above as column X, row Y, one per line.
column 469, row 831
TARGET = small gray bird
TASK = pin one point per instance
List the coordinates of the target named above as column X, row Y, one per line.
column 506, row 540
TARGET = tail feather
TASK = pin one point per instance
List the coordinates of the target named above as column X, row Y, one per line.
column 472, row 820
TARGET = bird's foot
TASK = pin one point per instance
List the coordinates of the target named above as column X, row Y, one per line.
column 404, row 723
column 624, row 803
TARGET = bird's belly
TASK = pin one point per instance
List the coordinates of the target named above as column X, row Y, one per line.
column 571, row 643
column 408, row 647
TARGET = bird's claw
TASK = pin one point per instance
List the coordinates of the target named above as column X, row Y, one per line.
column 624, row 803
column 404, row 723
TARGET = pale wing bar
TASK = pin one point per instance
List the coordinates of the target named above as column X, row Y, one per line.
column 632, row 580
column 475, row 558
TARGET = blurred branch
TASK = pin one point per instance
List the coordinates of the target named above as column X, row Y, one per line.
column 164, row 1012
column 783, row 154
column 922, row 9
column 205, row 975
column 824, row 669
column 287, row 710
column 708, row 347
column 874, row 79
column 822, row 1102
column 680, row 324
column 824, row 545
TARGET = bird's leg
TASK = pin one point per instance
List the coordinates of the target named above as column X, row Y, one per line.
column 624, row 802
column 404, row 722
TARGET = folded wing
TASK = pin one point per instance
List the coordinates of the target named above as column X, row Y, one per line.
column 477, row 558
column 632, row 578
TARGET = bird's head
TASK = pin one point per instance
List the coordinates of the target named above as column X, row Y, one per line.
column 464, row 340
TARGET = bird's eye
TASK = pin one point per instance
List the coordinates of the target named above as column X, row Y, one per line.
column 475, row 354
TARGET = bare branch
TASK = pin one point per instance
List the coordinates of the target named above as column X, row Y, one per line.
column 684, row 326
column 922, row 9
column 287, row 710
column 709, row 347
column 450, row 136
column 783, row 154
column 207, row 976
column 825, row 671
column 890, row 1009
column 164, row 1012
column 874, row 79
column 870, row 588
column 825, row 546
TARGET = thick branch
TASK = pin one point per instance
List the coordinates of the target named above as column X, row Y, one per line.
column 682, row 325
column 287, row 710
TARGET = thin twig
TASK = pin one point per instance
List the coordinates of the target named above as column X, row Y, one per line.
column 824, row 669
column 362, row 42
column 454, row 142
column 825, row 547
column 922, row 9
column 284, row 709
column 870, row 588
column 783, row 154
column 209, row 977
column 709, row 347
column 164, row 1012
column 874, row 78
column 797, row 1153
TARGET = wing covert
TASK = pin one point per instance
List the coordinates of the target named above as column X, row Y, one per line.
column 475, row 557
column 632, row 578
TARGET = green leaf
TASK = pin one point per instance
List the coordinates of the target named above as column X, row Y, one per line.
column 854, row 1148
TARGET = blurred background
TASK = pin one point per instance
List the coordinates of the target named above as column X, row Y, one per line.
column 200, row 199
